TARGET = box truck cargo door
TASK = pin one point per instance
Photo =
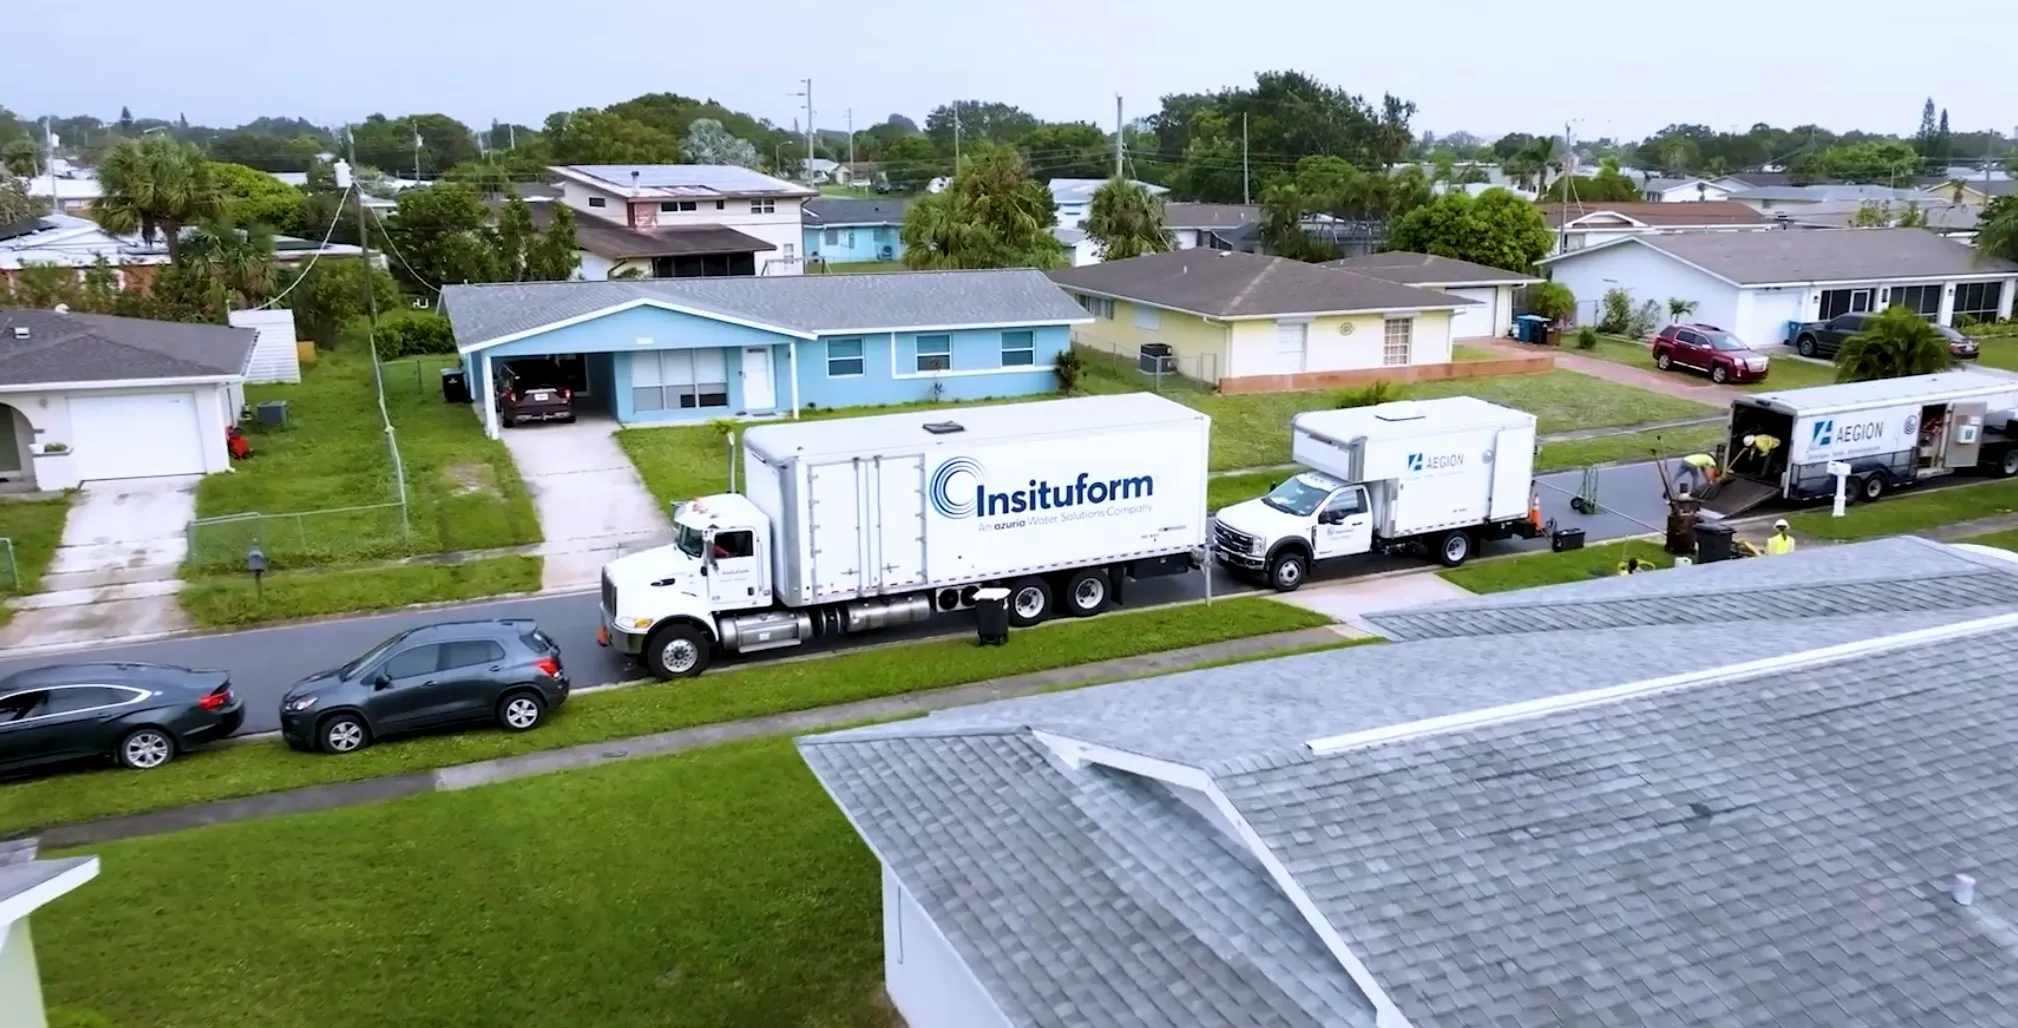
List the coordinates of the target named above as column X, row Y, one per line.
column 834, row 527
column 900, row 523
column 1513, row 472
column 1344, row 524
column 1965, row 434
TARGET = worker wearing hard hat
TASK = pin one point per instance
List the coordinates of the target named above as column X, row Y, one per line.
column 1780, row 542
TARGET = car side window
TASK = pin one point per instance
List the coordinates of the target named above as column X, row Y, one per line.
column 729, row 545
column 83, row 697
column 22, row 705
column 470, row 653
column 1346, row 502
column 1689, row 338
column 413, row 663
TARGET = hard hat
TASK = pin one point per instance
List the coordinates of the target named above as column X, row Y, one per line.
column 1782, row 523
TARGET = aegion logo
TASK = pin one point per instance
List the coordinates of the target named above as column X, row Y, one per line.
column 1824, row 433
column 1421, row 462
column 959, row 489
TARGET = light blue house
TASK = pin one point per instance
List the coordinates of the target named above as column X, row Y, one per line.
column 842, row 229
column 670, row 350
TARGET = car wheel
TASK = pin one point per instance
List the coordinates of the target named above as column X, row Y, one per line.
column 678, row 650
column 521, row 711
column 1720, row 374
column 2007, row 465
column 1287, row 571
column 1087, row 592
column 144, row 749
column 1029, row 601
column 1872, row 488
column 342, row 733
column 1805, row 346
column 1454, row 548
column 1663, row 362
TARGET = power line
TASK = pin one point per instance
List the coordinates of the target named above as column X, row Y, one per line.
column 316, row 256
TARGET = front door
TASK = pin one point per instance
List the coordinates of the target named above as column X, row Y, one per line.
column 732, row 570
column 760, row 393
column 405, row 688
column 1292, row 343
column 1344, row 524
column 469, row 678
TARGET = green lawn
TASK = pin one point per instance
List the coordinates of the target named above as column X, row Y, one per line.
column 1909, row 512
column 713, row 888
column 1629, row 446
column 33, row 528
column 464, row 490
column 722, row 695
column 1998, row 352
column 2006, row 540
column 1501, row 574
column 1475, row 353
column 222, row 601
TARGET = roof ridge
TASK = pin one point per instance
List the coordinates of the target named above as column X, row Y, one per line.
column 1253, row 283
column 1981, row 571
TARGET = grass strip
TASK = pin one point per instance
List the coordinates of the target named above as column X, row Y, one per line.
column 1501, row 574
column 1627, row 446
column 1910, row 512
column 34, row 529
column 724, row 695
column 224, row 601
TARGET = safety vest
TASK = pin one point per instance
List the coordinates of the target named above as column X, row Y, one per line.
column 1779, row 544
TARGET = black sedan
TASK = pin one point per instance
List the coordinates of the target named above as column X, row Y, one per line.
column 140, row 715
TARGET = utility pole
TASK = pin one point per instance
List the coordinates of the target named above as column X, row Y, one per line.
column 49, row 161
column 851, row 140
column 1245, row 197
column 416, row 153
column 809, row 130
column 956, row 137
column 513, row 131
column 1119, row 172
column 363, row 238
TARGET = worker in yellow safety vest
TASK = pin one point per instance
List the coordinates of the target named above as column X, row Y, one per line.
column 1781, row 542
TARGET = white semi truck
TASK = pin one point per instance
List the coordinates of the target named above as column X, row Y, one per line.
column 858, row 524
column 1435, row 475
column 1892, row 433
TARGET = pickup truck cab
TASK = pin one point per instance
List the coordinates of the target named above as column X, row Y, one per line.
column 1335, row 516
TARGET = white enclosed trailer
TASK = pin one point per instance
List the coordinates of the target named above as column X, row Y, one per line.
column 1891, row 432
column 862, row 523
column 1438, row 475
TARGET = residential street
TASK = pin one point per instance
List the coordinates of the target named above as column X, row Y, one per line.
column 265, row 661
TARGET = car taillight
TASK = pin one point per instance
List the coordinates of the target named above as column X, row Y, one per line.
column 215, row 700
column 549, row 666
column 511, row 397
column 567, row 394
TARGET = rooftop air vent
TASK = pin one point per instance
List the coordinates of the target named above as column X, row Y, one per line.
column 944, row 427
column 20, row 331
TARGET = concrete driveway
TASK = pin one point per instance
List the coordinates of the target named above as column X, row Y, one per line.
column 591, row 504
column 114, row 573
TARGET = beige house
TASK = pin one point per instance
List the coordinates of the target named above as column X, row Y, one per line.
column 1244, row 321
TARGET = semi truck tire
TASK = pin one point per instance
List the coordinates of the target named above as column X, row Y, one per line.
column 1087, row 592
column 1453, row 548
column 1872, row 487
column 678, row 650
column 1287, row 571
column 2007, row 463
column 1029, row 601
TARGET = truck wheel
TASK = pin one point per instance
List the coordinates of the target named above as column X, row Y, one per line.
column 1087, row 593
column 1720, row 374
column 1029, row 601
column 1454, row 548
column 1805, row 346
column 1287, row 571
column 678, row 651
column 1872, row 488
column 2007, row 463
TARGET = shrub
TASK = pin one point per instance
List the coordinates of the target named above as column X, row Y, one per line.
column 1615, row 312
column 1069, row 366
column 1379, row 392
column 1645, row 321
column 411, row 333
column 1587, row 337
column 1552, row 300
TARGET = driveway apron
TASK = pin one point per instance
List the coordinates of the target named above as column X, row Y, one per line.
column 114, row 572
column 591, row 504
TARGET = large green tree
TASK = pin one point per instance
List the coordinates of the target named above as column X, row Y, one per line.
column 1894, row 344
column 16, row 205
column 978, row 122
column 388, row 144
column 1126, row 221
column 247, row 196
column 994, row 215
column 1996, row 229
column 909, row 162
column 590, row 136
column 325, row 294
column 440, row 236
column 157, row 186
column 674, row 115
column 240, row 258
column 1069, row 149
column 1284, row 114
column 1496, row 229
column 265, row 152
column 21, row 157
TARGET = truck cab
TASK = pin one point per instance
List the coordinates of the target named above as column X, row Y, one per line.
column 1314, row 511
column 718, row 562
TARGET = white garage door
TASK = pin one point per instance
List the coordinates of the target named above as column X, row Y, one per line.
column 136, row 436
column 1476, row 320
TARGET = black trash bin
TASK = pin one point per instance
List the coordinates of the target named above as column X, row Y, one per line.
column 1713, row 541
column 1567, row 539
column 991, row 616
column 454, row 385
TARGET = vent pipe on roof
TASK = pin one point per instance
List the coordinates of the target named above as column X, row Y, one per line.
column 634, row 179
column 1963, row 890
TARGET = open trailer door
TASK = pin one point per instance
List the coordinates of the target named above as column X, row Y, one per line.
column 1965, row 435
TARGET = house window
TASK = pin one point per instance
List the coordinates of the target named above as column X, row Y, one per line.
column 721, row 205
column 1838, row 302
column 597, row 201
column 1147, row 318
column 1978, row 301
column 1019, row 349
column 1922, row 300
column 679, row 380
column 764, row 206
column 844, row 358
column 677, row 205
column 935, row 353
column 1098, row 306
column 1397, row 343
column 833, row 237
column 788, row 251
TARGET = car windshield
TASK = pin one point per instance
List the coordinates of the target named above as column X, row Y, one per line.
column 1950, row 334
column 1724, row 341
column 351, row 669
column 1300, row 495
column 688, row 539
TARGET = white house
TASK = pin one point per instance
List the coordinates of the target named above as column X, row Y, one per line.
column 1685, row 190
column 1210, row 225
column 70, row 241
column 1074, row 196
column 91, row 396
column 1754, row 284
column 1490, row 289
column 27, row 885
column 1581, row 225
column 1775, row 199
column 666, row 200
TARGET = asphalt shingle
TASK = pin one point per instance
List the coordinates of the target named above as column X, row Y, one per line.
column 1821, row 255
column 70, row 347
column 1231, row 284
column 1423, row 269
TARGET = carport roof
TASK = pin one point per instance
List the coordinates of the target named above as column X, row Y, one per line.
column 805, row 306
column 63, row 347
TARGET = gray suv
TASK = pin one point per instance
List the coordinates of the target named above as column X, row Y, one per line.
column 504, row 672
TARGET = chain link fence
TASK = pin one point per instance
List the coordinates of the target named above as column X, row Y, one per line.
column 1158, row 369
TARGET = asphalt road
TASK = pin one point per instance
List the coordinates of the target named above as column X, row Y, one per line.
column 264, row 661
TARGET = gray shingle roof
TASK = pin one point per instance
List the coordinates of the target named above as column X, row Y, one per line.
column 19, row 876
column 801, row 304
column 829, row 211
column 1765, row 851
column 1231, row 284
column 1422, row 269
column 73, row 347
column 1210, row 215
column 1819, row 255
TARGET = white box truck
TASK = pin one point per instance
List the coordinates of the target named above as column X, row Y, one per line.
column 863, row 523
column 1435, row 475
column 1891, row 432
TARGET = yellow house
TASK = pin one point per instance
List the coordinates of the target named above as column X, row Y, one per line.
column 1223, row 316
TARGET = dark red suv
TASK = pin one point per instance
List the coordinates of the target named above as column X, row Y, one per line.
column 1708, row 349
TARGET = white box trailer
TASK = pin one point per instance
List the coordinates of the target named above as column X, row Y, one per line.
column 1891, row 432
column 862, row 523
column 1438, row 475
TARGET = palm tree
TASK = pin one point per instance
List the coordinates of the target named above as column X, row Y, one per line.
column 1126, row 221
column 21, row 158
column 1679, row 308
column 1894, row 344
column 240, row 259
column 157, row 185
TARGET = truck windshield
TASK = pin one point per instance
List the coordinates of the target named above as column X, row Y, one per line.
column 688, row 539
column 1298, row 496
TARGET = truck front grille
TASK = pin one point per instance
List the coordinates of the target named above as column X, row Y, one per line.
column 1238, row 542
column 609, row 596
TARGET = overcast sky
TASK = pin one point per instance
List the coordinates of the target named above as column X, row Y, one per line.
column 1623, row 69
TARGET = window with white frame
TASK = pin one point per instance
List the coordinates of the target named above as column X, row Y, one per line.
column 721, row 205
column 765, row 205
column 679, row 380
column 1098, row 306
column 1147, row 318
column 671, row 206
column 1398, row 342
column 1978, row 301
column 935, row 353
column 597, row 201
column 833, row 237
column 1019, row 349
column 1922, row 300
column 844, row 358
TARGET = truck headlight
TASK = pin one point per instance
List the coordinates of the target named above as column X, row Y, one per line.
column 638, row 622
